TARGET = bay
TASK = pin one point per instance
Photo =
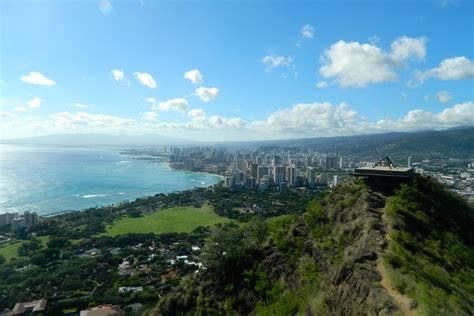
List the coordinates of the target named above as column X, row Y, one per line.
column 54, row 179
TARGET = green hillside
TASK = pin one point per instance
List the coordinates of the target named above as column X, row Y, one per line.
column 362, row 251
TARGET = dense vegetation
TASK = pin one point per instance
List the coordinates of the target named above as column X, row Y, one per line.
column 430, row 257
column 74, row 259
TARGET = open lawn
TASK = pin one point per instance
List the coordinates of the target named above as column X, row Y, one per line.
column 177, row 219
column 10, row 251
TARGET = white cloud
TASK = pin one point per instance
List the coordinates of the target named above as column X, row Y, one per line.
column 207, row 94
column 321, row 84
column 459, row 114
column 307, row 31
column 34, row 103
column 173, row 105
column 118, row 74
column 146, row 79
column 194, row 76
column 405, row 48
column 84, row 119
column 150, row 116
column 355, row 64
column 20, row 109
column 310, row 119
column 37, row 78
column 105, row 6
column 443, row 96
column 81, row 106
column 151, row 100
column 272, row 62
column 197, row 113
column 456, row 68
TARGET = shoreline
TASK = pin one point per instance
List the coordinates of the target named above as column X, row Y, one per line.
column 162, row 161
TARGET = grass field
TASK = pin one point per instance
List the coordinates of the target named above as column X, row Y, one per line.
column 177, row 219
column 10, row 251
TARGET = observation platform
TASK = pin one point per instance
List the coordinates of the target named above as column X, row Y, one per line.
column 384, row 171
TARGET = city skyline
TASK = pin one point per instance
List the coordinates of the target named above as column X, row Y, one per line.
column 226, row 71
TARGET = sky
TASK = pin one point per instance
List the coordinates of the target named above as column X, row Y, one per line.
column 235, row 70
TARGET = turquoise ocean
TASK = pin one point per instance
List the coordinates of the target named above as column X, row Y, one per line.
column 55, row 179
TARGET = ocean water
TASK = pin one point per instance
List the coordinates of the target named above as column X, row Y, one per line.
column 54, row 179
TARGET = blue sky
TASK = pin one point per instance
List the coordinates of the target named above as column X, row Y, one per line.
column 268, row 70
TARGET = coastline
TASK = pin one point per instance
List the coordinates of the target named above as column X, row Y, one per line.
column 59, row 213
column 154, row 184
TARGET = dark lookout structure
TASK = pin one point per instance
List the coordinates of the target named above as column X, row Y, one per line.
column 384, row 171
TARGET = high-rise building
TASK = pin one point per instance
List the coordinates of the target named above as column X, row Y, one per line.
column 264, row 183
column 254, row 170
column 331, row 162
column 340, row 162
column 323, row 179
column 250, row 183
column 335, row 180
column 18, row 223
column 7, row 218
column 311, row 177
column 261, row 172
column 291, row 174
column 409, row 162
column 279, row 174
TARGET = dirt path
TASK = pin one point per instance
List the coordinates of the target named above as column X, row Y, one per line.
column 402, row 301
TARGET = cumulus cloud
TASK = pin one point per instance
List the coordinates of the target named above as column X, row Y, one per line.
column 355, row 64
column 459, row 114
column 207, row 94
column 405, row 48
column 194, row 76
column 37, row 78
column 34, row 103
column 310, row 119
column 321, row 84
column 81, row 106
column 197, row 113
column 299, row 120
column 172, row 105
column 456, row 68
column 443, row 96
column 326, row 119
column 273, row 61
column 146, row 79
column 118, row 74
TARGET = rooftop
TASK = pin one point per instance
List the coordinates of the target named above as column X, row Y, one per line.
column 29, row 307
column 384, row 171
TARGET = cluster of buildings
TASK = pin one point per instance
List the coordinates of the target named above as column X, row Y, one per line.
column 456, row 174
column 17, row 221
column 263, row 168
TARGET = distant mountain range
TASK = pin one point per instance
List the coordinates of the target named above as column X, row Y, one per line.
column 454, row 139
column 460, row 139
